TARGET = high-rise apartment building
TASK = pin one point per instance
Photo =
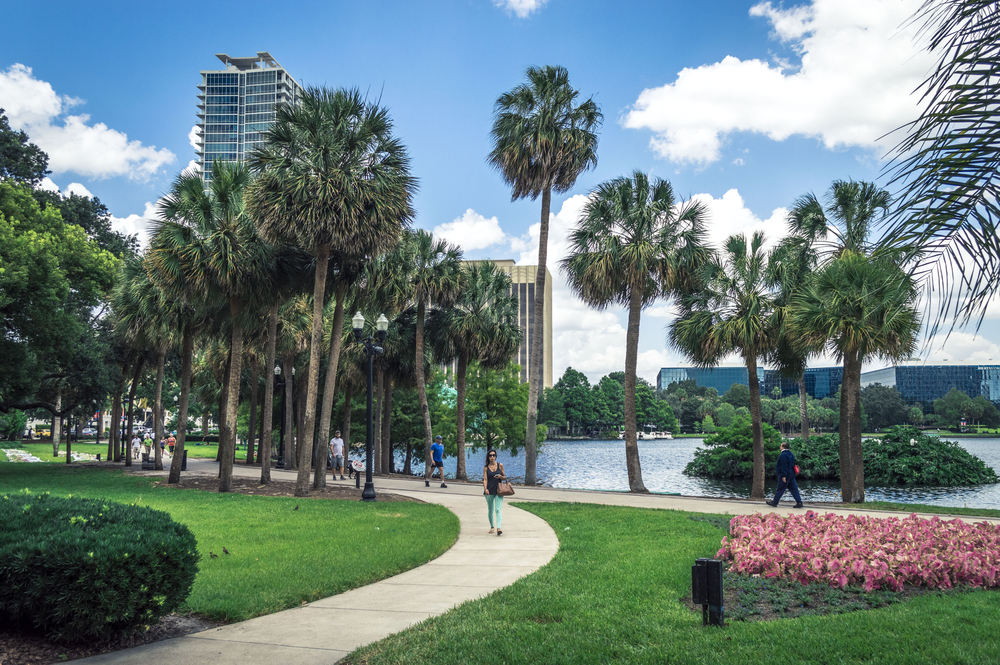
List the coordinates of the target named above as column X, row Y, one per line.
column 236, row 104
column 523, row 286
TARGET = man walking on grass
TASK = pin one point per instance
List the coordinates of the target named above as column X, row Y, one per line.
column 337, row 451
column 786, row 477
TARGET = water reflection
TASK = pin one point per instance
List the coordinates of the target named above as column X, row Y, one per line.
column 600, row 465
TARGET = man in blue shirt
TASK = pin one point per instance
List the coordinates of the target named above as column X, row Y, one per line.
column 786, row 476
column 437, row 457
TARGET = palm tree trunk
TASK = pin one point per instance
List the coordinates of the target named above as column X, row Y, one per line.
column 377, row 430
column 204, row 425
column 131, row 408
column 265, row 437
column 461, row 368
column 632, row 465
column 254, row 398
column 158, row 407
column 345, row 424
column 407, row 462
column 388, row 463
column 288, row 364
column 312, row 383
column 114, row 441
column 757, row 488
column 330, row 386
column 227, row 445
column 187, row 350
column 422, row 388
column 803, row 410
column 299, row 410
column 535, row 361
column 57, row 426
column 852, row 473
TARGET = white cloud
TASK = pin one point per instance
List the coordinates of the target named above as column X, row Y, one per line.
column 729, row 215
column 48, row 185
column 93, row 150
column 194, row 137
column 522, row 8
column 78, row 189
column 960, row 347
column 193, row 168
column 858, row 71
column 471, row 231
column 136, row 224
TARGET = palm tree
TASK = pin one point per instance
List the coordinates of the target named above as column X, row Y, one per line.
column 632, row 245
column 480, row 326
column 858, row 305
column 946, row 165
column 733, row 312
column 332, row 177
column 542, row 141
column 434, row 282
column 230, row 260
column 792, row 263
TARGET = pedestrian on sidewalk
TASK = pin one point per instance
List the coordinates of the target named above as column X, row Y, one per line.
column 337, row 451
column 136, row 444
column 171, row 442
column 437, row 456
column 492, row 475
column 786, row 477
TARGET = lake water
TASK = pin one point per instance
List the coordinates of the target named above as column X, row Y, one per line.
column 600, row 465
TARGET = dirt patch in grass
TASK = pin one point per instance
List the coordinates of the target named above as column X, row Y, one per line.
column 17, row 649
column 252, row 486
column 749, row 598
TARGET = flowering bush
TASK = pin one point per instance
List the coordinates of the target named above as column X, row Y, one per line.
column 865, row 551
column 15, row 455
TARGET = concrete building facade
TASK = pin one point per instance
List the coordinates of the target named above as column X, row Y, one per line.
column 523, row 286
column 236, row 105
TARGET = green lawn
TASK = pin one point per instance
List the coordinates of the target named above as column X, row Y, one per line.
column 43, row 450
column 611, row 596
column 279, row 557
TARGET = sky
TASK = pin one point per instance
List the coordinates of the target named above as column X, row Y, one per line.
column 744, row 106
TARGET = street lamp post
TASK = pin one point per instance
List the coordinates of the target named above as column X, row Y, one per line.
column 371, row 350
column 280, row 385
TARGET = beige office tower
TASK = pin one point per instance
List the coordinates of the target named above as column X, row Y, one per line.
column 523, row 285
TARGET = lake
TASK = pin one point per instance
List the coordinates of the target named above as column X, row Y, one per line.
column 600, row 465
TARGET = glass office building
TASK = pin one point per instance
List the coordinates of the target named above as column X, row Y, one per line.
column 236, row 105
column 922, row 384
column 821, row 382
column 720, row 378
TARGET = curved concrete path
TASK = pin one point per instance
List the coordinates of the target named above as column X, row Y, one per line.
column 327, row 630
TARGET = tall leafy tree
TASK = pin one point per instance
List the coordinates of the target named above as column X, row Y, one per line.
column 20, row 160
column 733, row 312
column 332, row 177
column 859, row 305
column 946, row 166
column 543, row 139
column 632, row 245
column 480, row 326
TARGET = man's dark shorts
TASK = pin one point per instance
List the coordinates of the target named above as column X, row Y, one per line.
column 439, row 465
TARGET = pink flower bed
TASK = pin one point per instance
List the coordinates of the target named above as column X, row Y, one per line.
column 873, row 552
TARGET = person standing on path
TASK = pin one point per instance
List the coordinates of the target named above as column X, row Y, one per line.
column 437, row 456
column 492, row 475
column 786, row 477
column 337, row 450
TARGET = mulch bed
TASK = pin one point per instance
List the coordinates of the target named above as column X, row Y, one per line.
column 17, row 649
column 253, row 487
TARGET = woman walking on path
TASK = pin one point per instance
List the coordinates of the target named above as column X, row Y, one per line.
column 492, row 475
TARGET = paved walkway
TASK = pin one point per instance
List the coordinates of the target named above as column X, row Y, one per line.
column 327, row 630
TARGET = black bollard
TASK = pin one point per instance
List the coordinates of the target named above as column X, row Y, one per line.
column 184, row 461
column 707, row 591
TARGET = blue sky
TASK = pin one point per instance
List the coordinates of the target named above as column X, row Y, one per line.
column 745, row 105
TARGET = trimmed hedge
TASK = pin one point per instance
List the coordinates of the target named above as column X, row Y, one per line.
column 76, row 569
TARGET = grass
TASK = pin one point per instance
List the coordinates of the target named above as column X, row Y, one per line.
column 43, row 450
column 926, row 508
column 280, row 557
column 612, row 595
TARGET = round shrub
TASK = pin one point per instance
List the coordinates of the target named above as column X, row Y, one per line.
column 906, row 456
column 729, row 453
column 75, row 569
